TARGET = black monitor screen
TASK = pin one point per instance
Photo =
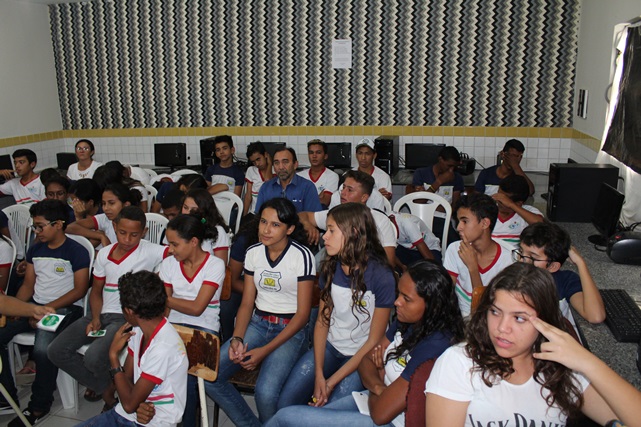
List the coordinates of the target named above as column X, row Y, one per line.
column 65, row 160
column 170, row 155
column 339, row 155
column 271, row 147
column 607, row 210
column 6, row 162
column 421, row 155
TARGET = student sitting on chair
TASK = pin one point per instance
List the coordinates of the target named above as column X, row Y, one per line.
column 27, row 188
column 365, row 155
column 442, row 177
column 415, row 240
column 489, row 179
column 259, row 172
column 86, row 198
column 513, row 216
column 225, row 171
column 156, row 366
column 325, row 180
column 57, row 275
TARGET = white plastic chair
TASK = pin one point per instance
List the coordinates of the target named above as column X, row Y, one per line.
column 151, row 195
column 182, row 172
column 426, row 211
column 156, row 225
column 151, row 172
column 154, row 179
column 67, row 385
column 387, row 206
column 225, row 202
column 19, row 222
column 13, row 257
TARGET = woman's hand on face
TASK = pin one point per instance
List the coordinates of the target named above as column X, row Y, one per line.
column 561, row 346
column 237, row 351
column 252, row 358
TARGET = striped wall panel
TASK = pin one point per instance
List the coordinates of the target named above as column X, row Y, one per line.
column 189, row 63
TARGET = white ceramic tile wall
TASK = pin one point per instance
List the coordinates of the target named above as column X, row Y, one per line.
column 539, row 152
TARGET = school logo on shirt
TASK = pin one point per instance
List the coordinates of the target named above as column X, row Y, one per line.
column 59, row 268
column 270, row 281
column 365, row 301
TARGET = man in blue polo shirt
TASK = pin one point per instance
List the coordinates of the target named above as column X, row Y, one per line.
column 288, row 184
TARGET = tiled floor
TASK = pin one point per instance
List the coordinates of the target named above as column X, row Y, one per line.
column 59, row 417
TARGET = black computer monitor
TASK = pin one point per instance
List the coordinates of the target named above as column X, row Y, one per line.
column 606, row 214
column 271, row 147
column 339, row 155
column 65, row 160
column 6, row 162
column 421, row 155
column 170, row 155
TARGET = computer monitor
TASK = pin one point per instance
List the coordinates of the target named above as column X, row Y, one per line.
column 65, row 160
column 6, row 162
column 607, row 211
column 271, row 147
column 421, row 155
column 339, row 155
column 170, row 155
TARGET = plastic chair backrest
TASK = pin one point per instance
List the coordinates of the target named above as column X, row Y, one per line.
column 19, row 222
column 151, row 195
column 156, row 226
column 151, row 172
column 182, row 172
column 426, row 211
column 225, row 202
column 13, row 257
column 387, row 206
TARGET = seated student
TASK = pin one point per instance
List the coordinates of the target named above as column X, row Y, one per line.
column 489, row 179
column 427, row 322
column 415, row 240
column 546, row 245
column 172, row 204
column 137, row 174
column 442, row 177
column 475, row 259
column 57, row 275
column 259, row 172
column 184, row 184
column 357, row 292
column 193, row 281
column 513, row 216
column 130, row 253
column 365, row 155
column 48, row 173
column 86, row 198
column 99, row 228
column 357, row 188
column 86, row 166
column 200, row 203
column 224, row 171
column 301, row 192
column 56, row 188
column 156, row 366
column 271, row 322
column 27, row 188
column 132, row 184
column 325, row 180
column 519, row 367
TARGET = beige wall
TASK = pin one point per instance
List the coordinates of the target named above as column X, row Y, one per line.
column 28, row 89
column 598, row 18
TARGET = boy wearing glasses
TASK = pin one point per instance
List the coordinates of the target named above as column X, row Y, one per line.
column 546, row 245
column 57, row 276
column 27, row 188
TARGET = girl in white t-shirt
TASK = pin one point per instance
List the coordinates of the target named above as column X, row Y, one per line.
column 279, row 275
column 99, row 228
column 86, row 165
column 357, row 292
column 520, row 368
column 193, row 279
column 198, row 201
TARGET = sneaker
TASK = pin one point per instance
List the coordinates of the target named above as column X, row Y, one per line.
column 30, row 416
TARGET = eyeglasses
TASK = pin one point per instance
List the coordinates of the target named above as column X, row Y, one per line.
column 518, row 256
column 39, row 228
column 83, row 148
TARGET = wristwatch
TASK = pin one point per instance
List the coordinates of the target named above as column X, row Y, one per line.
column 114, row 371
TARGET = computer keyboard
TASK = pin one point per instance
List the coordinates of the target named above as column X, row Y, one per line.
column 622, row 315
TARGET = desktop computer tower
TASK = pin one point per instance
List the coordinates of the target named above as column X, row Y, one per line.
column 207, row 157
column 573, row 189
column 386, row 148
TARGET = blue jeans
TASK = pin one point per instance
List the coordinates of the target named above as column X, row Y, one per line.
column 274, row 371
column 342, row 412
column 107, row 419
column 46, row 374
column 300, row 385
column 92, row 369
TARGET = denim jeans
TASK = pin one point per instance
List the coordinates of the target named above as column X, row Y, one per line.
column 300, row 385
column 46, row 372
column 342, row 412
column 92, row 369
column 274, row 370
column 108, row 419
